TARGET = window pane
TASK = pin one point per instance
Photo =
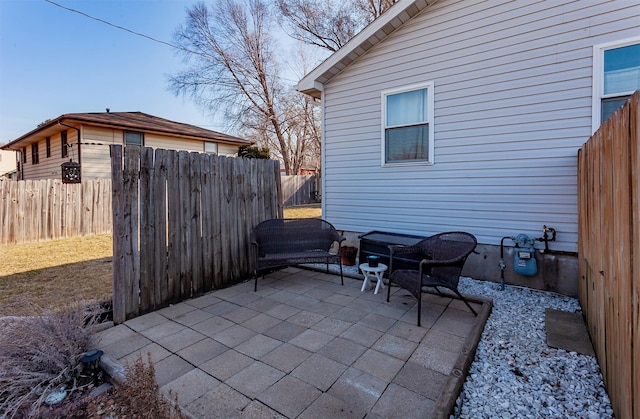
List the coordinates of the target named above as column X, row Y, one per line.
column 407, row 108
column 133, row 138
column 410, row 143
column 211, row 148
column 609, row 106
column 622, row 69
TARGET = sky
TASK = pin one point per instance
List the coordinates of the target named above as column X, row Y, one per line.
column 54, row 61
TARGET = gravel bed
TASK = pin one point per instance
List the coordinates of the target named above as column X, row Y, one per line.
column 514, row 373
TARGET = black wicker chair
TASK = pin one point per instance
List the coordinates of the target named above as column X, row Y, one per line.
column 444, row 258
column 283, row 242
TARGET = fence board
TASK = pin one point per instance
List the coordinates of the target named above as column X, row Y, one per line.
column 147, row 232
column 159, row 183
column 119, row 236
column 609, row 249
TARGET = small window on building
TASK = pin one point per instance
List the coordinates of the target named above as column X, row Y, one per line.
column 616, row 76
column 48, row 145
column 65, row 150
column 34, row 154
column 24, row 154
column 407, row 125
column 211, row 148
column 133, row 138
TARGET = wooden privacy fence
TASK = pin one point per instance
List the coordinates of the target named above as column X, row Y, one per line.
column 609, row 252
column 182, row 222
column 300, row 190
column 47, row 209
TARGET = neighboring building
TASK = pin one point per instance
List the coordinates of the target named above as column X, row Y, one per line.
column 85, row 137
column 468, row 115
column 7, row 163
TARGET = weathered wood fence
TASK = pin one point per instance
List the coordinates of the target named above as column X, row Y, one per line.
column 300, row 190
column 47, row 209
column 182, row 223
column 609, row 252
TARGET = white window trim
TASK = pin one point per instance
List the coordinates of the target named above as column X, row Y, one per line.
column 204, row 147
column 429, row 85
column 598, row 78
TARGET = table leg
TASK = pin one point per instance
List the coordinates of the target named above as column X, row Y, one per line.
column 380, row 283
column 365, row 282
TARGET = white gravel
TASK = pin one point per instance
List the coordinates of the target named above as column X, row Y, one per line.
column 515, row 374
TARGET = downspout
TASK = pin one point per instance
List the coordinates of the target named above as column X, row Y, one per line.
column 78, row 142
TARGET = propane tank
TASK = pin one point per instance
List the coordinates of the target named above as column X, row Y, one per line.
column 524, row 262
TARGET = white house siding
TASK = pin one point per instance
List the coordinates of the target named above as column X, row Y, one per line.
column 48, row 167
column 227, row 150
column 512, row 107
column 173, row 143
column 96, row 163
column 7, row 161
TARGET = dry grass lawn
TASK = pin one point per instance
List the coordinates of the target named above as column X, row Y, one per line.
column 44, row 276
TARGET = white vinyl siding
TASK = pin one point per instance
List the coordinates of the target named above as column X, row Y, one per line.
column 49, row 168
column 227, row 150
column 511, row 109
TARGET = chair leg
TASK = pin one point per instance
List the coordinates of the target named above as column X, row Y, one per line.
column 389, row 289
column 255, row 286
column 465, row 301
column 341, row 276
column 419, row 304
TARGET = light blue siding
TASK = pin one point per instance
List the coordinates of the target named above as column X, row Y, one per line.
column 513, row 86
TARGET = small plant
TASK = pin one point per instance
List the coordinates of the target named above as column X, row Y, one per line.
column 138, row 396
column 39, row 354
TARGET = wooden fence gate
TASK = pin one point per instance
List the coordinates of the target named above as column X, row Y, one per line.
column 609, row 252
column 182, row 222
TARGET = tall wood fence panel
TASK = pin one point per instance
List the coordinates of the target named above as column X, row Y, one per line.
column 182, row 223
column 47, row 209
column 300, row 190
column 609, row 252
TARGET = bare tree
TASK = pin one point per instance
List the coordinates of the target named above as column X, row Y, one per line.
column 232, row 65
column 329, row 24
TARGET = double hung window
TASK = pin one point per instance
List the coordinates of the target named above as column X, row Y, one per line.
column 616, row 75
column 35, row 159
column 407, row 125
column 64, row 145
column 133, row 138
column 210, row 148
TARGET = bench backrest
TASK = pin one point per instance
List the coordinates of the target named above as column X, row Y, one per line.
column 294, row 235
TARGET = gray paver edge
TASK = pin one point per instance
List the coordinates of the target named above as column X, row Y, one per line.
column 453, row 386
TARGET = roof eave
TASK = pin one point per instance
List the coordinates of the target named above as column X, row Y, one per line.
column 313, row 83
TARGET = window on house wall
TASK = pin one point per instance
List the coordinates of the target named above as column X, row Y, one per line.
column 133, row 138
column 616, row 75
column 24, row 154
column 210, row 148
column 64, row 144
column 34, row 154
column 48, row 146
column 407, row 125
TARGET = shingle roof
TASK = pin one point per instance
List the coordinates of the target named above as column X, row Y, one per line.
column 137, row 121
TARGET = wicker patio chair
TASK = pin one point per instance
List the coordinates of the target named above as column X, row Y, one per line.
column 444, row 258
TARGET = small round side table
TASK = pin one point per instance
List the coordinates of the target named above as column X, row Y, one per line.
column 371, row 273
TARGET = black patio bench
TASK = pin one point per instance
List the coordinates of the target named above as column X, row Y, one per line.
column 291, row 241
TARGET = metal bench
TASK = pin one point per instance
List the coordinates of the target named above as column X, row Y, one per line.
column 283, row 242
